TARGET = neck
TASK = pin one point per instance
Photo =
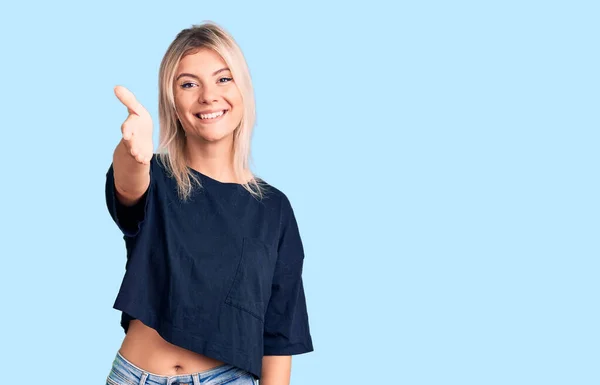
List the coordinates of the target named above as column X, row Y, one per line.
column 214, row 159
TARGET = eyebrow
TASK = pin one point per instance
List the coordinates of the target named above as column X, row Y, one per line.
column 196, row 77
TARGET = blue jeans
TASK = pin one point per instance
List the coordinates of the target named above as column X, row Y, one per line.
column 124, row 372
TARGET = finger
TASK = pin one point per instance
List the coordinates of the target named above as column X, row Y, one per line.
column 139, row 158
column 128, row 99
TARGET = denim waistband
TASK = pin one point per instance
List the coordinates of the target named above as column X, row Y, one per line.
column 127, row 373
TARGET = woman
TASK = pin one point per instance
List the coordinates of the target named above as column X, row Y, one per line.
column 212, row 292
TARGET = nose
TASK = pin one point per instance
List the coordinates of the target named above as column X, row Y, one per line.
column 208, row 94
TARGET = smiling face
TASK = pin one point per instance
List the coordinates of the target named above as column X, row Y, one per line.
column 208, row 102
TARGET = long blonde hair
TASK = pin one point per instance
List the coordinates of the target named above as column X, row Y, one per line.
column 172, row 136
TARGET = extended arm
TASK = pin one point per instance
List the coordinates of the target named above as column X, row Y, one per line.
column 131, row 159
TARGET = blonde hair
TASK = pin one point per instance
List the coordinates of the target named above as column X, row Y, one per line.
column 171, row 149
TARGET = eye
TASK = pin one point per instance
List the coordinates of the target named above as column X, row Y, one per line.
column 184, row 85
column 226, row 80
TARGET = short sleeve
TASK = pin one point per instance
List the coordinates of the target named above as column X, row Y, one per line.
column 286, row 329
column 128, row 218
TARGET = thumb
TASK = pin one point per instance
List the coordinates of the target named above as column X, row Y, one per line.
column 128, row 99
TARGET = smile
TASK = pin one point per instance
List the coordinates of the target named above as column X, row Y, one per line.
column 210, row 118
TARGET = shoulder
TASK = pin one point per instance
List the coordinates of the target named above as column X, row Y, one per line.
column 273, row 193
column 280, row 204
column 159, row 162
column 160, row 167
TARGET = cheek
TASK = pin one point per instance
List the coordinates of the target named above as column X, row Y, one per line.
column 239, row 103
column 235, row 97
column 238, row 108
column 179, row 105
column 183, row 100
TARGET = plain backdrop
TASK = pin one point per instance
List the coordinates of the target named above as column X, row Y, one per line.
column 441, row 158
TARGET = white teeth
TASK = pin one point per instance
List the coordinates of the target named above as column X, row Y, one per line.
column 211, row 116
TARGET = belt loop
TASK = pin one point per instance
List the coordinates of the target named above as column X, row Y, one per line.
column 143, row 378
column 196, row 378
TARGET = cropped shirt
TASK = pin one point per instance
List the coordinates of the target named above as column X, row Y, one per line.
column 219, row 274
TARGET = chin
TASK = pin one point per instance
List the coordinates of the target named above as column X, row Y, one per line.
column 215, row 137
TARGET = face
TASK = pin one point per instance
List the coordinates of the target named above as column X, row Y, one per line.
column 208, row 102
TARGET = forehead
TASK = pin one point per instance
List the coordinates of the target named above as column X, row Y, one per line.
column 201, row 61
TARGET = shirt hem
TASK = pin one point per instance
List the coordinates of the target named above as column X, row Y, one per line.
column 189, row 341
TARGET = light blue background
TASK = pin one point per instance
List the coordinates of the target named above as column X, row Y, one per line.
column 441, row 159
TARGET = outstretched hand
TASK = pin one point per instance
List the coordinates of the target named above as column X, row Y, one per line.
column 137, row 128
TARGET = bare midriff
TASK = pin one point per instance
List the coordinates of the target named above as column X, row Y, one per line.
column 147, row 350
